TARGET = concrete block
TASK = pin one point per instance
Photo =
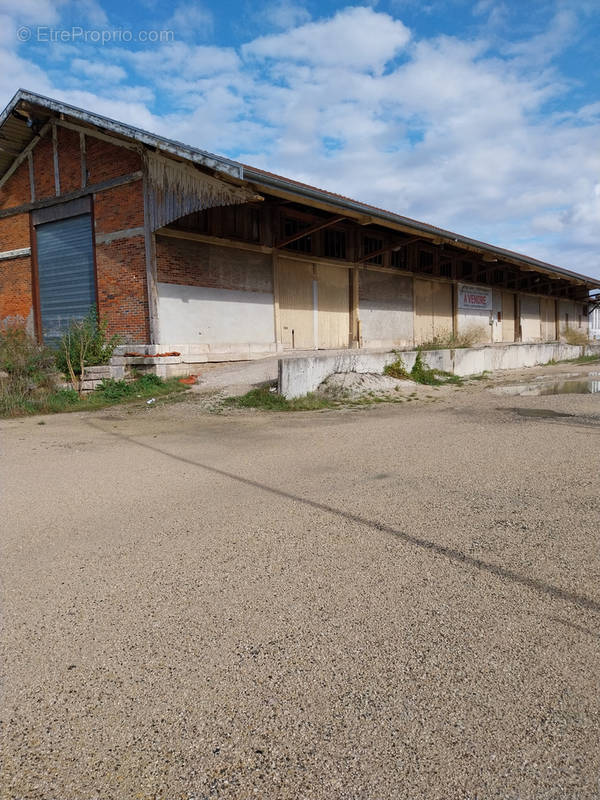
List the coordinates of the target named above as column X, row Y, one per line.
column 97, row 372
column 195, row 359
column 195, row 349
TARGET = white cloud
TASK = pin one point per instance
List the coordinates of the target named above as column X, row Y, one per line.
column 35, row 12
column 357, row 37
column 92, row 13
column 285, row 14
column 97, row 70
column 442, row 129
column 543, row 47
column 187, row 62
column 191, row 20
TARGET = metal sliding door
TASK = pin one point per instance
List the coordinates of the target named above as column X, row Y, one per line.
column 66, row 275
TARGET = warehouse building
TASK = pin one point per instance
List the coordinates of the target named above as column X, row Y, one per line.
column 184, row 251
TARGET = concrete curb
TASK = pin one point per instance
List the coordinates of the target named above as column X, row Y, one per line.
column 299, row 376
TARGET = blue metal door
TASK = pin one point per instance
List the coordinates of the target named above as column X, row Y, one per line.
column 67, row 285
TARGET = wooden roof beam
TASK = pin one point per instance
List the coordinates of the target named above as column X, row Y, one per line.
column 387, row 249
column 309, row 231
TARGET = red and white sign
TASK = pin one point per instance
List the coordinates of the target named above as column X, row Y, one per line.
column 476, row 297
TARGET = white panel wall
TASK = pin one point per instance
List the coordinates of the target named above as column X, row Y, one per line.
column 478, row 322
column 202, row 315
column 531, row 325
column 573, row 312
column 385, row 309
column 594, row 322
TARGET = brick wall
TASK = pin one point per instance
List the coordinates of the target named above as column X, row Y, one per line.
column 69, row 160
column 16, row 191
column 43, row 168
column 106, row 161
column 191, row 263
column 14, row 232
column 121, row 265
column 120, row 208
column 15, row 273
column 15, row 289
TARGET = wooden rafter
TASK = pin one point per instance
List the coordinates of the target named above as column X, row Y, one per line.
column 388, row 248
column 309, row 231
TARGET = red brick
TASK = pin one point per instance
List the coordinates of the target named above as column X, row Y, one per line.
column 191, row 263
column 106, row 161
column 122, row 295
column 119, row 208
column 69, row 160
column 15, row 288
column 16, row 191
column 43, row 168
column 14, row 232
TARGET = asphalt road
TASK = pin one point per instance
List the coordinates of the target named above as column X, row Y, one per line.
column 397, row 602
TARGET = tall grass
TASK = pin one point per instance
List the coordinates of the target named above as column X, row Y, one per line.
column 447, row 340
column 28, row 371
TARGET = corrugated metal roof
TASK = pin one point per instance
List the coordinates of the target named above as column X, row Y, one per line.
column 15, row 135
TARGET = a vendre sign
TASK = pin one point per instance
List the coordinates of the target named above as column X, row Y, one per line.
column 475, row 297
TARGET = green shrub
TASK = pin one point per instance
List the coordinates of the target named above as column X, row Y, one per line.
column 148, row 381
column 397, row 369
column 62, row 399
column 29, row 371
column 113, row 390
column 22, row 356
column 85, row 343
column 422, row 373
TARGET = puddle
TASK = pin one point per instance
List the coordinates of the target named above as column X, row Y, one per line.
column 589, row 384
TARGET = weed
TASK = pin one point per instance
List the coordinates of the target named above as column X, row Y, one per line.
column 263, row 398
column 61, row 400
column 40, row 400
column 451, row 341
column 28, row 371
column 397, row 369
column 421, row 373
column 85, row 343
column 589, row 359
column 116, row 391
column 22, row 356
column 481, row 377
column 583, row 359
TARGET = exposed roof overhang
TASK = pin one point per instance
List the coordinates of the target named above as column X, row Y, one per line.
column 366, row 214
column 21, row 119
column 27, row 112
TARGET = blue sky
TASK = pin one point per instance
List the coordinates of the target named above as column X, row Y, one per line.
column 481, row 116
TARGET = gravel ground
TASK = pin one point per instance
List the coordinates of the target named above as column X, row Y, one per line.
column 391, row 602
